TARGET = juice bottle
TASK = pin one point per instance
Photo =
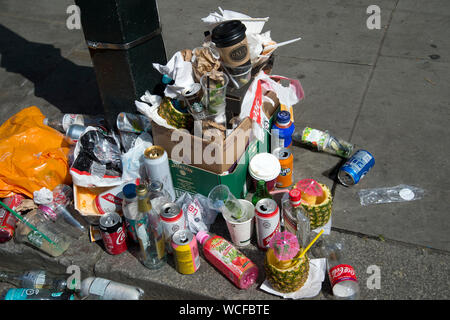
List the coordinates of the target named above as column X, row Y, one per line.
column 231, row 262
column 285, row 128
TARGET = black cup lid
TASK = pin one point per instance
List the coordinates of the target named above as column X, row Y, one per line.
column 228, row 33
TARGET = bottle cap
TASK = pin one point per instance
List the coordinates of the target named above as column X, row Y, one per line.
column 283, row 117
column 166, row 79
column 202, row 236
column 129, row 190
column 295, row 196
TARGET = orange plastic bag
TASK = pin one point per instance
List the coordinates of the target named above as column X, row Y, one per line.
column 32, row 155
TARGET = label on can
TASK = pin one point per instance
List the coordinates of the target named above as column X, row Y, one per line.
column 187, row 259
column 342, row 272
column 70, row 119
column 113, row 233
column 356, row 167
column 267, row 221
column 7, row 220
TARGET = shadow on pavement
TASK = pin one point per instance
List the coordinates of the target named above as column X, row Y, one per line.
column 69, row 87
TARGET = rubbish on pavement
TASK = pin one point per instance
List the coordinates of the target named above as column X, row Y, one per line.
column 113, row 233
column 36, row 294
column 172, row 220
column 156, row 162
column 324, row 141
column 267, row 221
column 36, row 279
column 261, row 192
column 241, row 231
column 231, row 262
column 95, row 288
column 356, row 168
column 286, row 158
column 283, row 128
column 265, row 166
column 399, row 193
column 185, row 249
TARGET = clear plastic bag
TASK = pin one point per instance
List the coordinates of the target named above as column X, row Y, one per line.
column 398, row 193
column 199, row 215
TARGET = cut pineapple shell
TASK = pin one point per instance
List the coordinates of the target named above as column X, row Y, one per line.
column 320, row 212
column 286, row 276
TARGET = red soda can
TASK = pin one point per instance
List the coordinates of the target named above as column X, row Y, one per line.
column 267, row 221
column 7, row 220
column 113, row 233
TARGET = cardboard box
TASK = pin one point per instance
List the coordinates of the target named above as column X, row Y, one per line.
column 193, row 179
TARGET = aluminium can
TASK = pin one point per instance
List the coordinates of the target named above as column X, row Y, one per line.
column 173, row 220
column 74, row 133
column 113, row 233
column 185, row 249
column 286, row 158
column 7, row 220
column 355, row 168
column 267, row 221
column 156, row 163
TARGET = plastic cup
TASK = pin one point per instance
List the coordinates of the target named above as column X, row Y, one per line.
column 221, row 199
column 264, row 166
column 214, row 92
column 241, row 232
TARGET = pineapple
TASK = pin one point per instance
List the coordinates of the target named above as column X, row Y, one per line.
column 286, row 275
column 319, row 212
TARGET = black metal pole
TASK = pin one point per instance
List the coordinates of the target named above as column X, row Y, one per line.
column 124, row 39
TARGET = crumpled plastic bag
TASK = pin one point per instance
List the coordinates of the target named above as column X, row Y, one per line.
column 32, row 155
column 97, row 160
column 197, row 212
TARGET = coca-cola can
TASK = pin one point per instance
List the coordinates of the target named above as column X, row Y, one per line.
column 343, row 281
column 7, row 220
column 111, row 200
column 173, row 220
column 267, row 221
column 113, row 233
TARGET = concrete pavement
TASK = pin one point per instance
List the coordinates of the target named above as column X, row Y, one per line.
column 379, row 89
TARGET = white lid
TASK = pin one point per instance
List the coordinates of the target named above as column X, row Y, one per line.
column 264, row 166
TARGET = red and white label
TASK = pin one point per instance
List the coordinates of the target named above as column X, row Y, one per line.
column 342, row 272
column 266, row 228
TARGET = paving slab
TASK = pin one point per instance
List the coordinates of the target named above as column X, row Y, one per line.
column 417, row 35
column 403, row 122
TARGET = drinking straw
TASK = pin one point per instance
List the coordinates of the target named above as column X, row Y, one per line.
column 234, row 82
column 310, row 244
column 31, row 226
column 207, row 90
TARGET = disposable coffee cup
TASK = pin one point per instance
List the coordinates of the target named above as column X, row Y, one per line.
column 264, row 166
column 241, row 231
column 231, row 42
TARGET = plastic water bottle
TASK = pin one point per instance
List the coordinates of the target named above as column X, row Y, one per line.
column 36, row 294
column 35, row 279
column 104, row 289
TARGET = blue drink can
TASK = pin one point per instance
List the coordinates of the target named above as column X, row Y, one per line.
column 356, row 168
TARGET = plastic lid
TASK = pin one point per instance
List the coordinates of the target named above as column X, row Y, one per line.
column 228, row 33
column 202, row 236
column 283, row 117
column 264, row 166
column 129, row 190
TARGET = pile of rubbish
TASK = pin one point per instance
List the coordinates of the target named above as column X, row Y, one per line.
column 69, row 176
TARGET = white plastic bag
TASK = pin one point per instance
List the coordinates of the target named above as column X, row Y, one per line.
column 253, row 99
column 133, row 160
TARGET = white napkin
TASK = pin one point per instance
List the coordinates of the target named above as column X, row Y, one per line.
column 43, row 196
column 312, row 286
column 178, row 70
column 253, row 25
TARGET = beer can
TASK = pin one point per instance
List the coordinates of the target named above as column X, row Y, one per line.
column 111, row 199
column 173, row 220
column 267, row 221
column 185, row 248
column 286, row 158
column 355, row 168
column 7, row 220
column 113, row 233
column 157, row 167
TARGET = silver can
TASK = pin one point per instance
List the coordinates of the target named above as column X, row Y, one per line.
column 104, row 289
column 173, row 220
column 156, row 163
column 267, row 221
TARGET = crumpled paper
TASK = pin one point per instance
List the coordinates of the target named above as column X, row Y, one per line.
column 312, row 286
column 256, row 43
column 43, row 196
column 205, row 60
column 180, row 71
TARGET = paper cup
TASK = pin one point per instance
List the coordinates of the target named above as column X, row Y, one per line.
column 241, row 232
column 264, row 166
